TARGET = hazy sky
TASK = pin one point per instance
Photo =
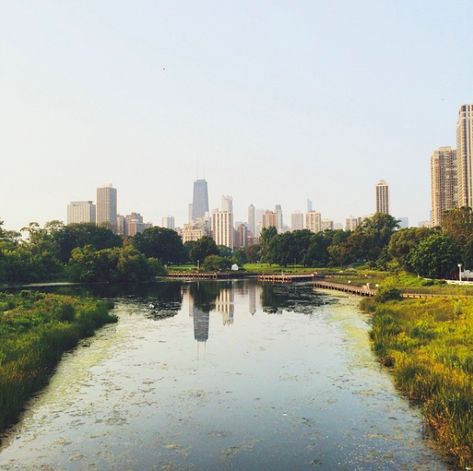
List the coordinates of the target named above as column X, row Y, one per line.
column 278, row 101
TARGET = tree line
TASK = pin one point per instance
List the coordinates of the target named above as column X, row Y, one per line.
column 87, row 252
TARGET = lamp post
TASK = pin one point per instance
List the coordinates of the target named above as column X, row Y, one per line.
column 198, row 265
column 460, row 272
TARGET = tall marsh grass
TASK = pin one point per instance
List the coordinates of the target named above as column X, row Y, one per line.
column 35, row 330
column 428, row 344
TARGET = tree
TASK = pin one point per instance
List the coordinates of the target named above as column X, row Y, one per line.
column 458, row 224
column 71, row 236
column 161, row 243
column 436, row 256
column 405, row 240
column 267, row 234
column 216, row 263
column 203, row 247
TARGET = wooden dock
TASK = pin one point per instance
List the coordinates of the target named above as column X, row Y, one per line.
column 206, row 275
column 346, row 288
column 285, row 277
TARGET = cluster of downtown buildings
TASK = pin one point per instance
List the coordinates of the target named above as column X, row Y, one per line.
column 218, row 223
column 452, row 170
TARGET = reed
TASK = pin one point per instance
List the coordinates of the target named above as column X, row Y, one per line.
column 35, row 330
column 428, row 345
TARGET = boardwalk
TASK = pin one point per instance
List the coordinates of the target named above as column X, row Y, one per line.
column 285, row 278
column 206, row 275
column 346, row 288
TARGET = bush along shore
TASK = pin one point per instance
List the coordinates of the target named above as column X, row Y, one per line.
column 427, row 344
column 35, row 330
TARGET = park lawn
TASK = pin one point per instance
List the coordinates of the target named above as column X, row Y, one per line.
column 428, row 346
column 35, row 330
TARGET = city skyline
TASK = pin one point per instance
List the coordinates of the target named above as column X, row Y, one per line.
column 258, row 111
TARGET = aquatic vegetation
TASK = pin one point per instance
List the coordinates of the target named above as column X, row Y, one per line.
column 35, row 330
column 428, row 343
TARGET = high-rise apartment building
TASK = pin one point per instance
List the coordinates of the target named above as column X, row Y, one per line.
column 327, row 225
column 252, row 219
column 297, row 221
column 200, row 201
column 222, row 228
column 351, row 223
column 270, row 219
column 79, row 212
column 382, row 197
column 444, row 182
column 168, row 222
column 107, row 206
column 121, row 224
column 241, row 235
column 313, row 221
column 465, row 155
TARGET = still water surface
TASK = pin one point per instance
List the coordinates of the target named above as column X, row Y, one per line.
column 222, row 375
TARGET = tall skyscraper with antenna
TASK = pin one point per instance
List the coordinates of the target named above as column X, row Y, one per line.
column 200, row 201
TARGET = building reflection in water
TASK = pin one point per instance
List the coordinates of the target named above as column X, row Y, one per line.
column 225, row 306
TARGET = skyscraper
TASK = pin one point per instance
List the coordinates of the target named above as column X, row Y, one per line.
column 465, row 155
column 251, row 219
column 279, row 221
column 297, row 221
column 382, row 197
column 81, row 212
column 270, row 219
column 222, row 228
column 313, row 221
column 309, row 206
column 168, row 222
column 227, row 203
column 107, row 206
column 444, row 180
column 200, row 201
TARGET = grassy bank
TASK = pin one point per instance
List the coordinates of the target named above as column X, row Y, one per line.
column 35, row 330
column 428, row 345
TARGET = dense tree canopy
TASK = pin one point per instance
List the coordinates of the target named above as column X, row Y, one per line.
column 161, row 243
column 202, row 248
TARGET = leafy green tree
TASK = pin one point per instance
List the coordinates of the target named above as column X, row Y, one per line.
column 225, row 251
column 458, row 224
column 405, row 240
column 71, row 236
column 267, row 234
column 253, row 253
column 203, row 247
column 436, row 256
column 161, row 243
column 216, row 263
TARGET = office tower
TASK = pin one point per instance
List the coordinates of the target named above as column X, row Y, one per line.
column 241, row 235
column 309, row 206
column 444, row 182
column 134, row 224
column 351, row 223
column 313, row 221
column 107, row 206
column 252, row 219
column 200, row 201
column 224, row 304
column 382, row 197
column 279, row 221
column 270, row 219
column 327, row 225
column 81, row 212
column 168, row 222
column 297, row 221
column 227, row 203
column 121, row 224
column 201, row 324
column 259, row 221
column 465, row 155
column 222, row 228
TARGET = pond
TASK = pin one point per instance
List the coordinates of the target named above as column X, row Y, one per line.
column 222, row 375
